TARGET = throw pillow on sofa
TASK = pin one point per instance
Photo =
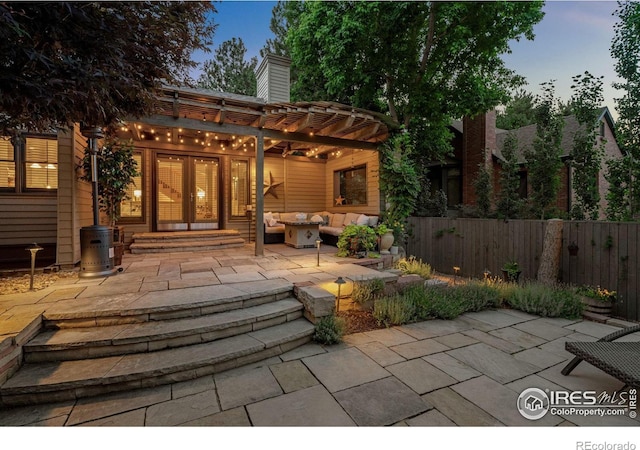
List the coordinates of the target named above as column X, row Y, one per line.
column 337, row 220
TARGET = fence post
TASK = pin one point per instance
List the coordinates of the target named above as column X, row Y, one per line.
column 549, row 270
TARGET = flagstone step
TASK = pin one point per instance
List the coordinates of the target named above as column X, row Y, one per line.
column 100, row 341
column 37, row 383
column 185, row 241
column 175, row 236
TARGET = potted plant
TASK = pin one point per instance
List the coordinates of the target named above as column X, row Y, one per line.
column 596, row 299
column 356, row 240
column 116, row 171
column 511, row 271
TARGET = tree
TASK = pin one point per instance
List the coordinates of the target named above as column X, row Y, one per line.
column 279, row 26
column 624, row 196
column 509, row 202
column 93, row 62
column 587, row 153
column 483, row 188
column 543, row 160
column 228, row 71
column 519, row 111
column 420, row 63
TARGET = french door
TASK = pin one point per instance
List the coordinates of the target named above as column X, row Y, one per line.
column 187, row 193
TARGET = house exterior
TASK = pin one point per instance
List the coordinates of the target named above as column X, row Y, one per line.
column 207, row 161
column 477, row 141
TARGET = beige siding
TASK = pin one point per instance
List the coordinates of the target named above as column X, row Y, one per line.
column 353, row 158
column 274, row 80
column 74, row 197
column 27, row 219
column 302, row 185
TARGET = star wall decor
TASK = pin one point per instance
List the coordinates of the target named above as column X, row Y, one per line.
column 340, row 200
column 270, row 186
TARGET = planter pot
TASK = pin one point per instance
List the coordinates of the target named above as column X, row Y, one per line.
column 118, row 251
column 596, row 306
column 511, row 277
column 386, row 241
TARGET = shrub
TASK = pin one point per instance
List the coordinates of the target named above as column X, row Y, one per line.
column 329, row 330
column 394, row 310
column 365, row 291
column 412, row 265
column 477, row 296
column 546, row 301
column 355, row 239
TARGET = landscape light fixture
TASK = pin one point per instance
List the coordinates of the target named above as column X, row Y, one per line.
column 33, row 248
column 340, row 281
column 318, row 242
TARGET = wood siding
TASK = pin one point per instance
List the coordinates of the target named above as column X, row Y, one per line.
column 354, row 158
column 607, row 255
column 302, row 184
column 27, row 218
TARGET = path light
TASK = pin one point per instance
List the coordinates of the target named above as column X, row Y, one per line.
column 318, row 242
column 456, row 269
column 33, row 248
column 340, row 281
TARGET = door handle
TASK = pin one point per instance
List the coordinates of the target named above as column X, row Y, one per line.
column 192, row 197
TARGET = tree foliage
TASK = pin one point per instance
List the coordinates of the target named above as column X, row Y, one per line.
column 228, row 71
column 279, row 26
column 483, row 186
column 587, row 152
column 93, row 62
column 419, row 62
column 518, row 112
column 624, row 177
column 509, row 203
column 543, row 160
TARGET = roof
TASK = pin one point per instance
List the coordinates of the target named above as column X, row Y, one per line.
column 526, row 136
column 184, row 115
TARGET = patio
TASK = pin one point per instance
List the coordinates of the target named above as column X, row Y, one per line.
column 464, row 372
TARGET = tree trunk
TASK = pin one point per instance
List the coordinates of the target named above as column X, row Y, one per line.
column 549, row 270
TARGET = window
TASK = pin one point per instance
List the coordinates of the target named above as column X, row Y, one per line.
column 350, row 186
column 131, row 209
column 7, row 164
column 41, row 163
column 29, row 163
column 239, row 187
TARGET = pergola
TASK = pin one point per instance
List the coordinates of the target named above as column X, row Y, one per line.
column 189, row 118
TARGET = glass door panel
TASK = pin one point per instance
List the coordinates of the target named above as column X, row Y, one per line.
column 169, row 193
column 204, row 194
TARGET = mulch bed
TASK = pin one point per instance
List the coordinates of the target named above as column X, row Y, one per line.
column 359, row 321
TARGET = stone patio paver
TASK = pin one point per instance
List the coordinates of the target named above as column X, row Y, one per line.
column 431, row 418
column 456, row 340
column 421, row 376
column 518, row 337
column 239, row 387
column 496, row 364
column 184, row 409
column 94, row 408
column 496, row 318
column 313, row 406
column 27, row 415
column 293, row 376
column 433, row 328
column 417, row 349
column 128, row 419
column 390, row 336
column 538, row 357
column 499, row 401
column 542, row 329
column 460, row 410
column 342, row 369
column 595, row 329
column 236, row 417
column 452, row 366
column 190, row 387
column 382, row 402
column 493, row 341
column 380, row 353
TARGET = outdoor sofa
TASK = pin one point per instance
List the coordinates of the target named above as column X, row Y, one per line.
column 331, row 224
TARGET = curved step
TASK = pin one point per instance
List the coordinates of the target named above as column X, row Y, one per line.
column 67, row 380
column 95, row 342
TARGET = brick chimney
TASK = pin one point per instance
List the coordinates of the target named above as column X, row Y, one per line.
column 274, row 79
column 478, row 142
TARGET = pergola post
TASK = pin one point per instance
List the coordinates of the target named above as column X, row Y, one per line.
column 259, row 193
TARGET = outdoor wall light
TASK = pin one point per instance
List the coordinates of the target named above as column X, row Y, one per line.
column 33, row 248
column 318, row 242
column 340, row 281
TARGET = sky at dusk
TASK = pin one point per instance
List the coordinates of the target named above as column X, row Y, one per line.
column 573, row 37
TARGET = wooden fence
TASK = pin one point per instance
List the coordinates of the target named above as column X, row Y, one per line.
column 607, row 253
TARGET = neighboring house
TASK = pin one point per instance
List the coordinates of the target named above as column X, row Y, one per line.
column 201, row 158
column 477, row 140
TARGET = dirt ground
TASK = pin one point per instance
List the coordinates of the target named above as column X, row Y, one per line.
column 18, row 283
